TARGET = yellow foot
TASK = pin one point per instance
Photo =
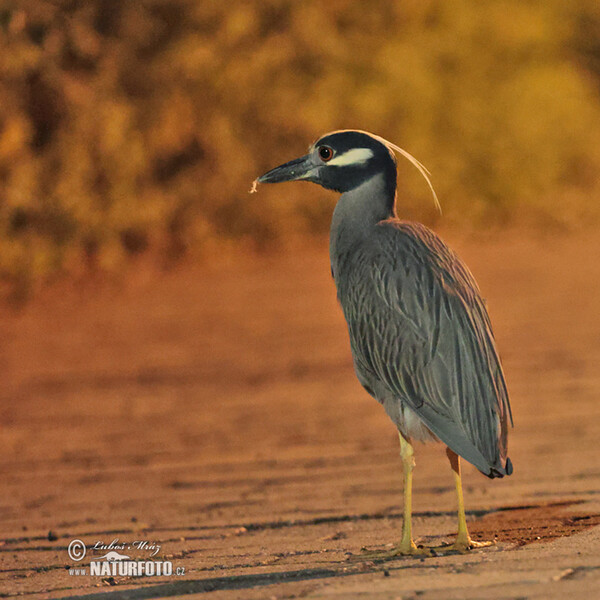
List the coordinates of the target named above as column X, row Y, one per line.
column 461, row 546
column 399, row 550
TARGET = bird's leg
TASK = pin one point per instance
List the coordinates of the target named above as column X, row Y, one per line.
column 406, row 547
column 463, row 540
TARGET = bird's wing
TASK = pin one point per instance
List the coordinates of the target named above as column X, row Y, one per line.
column 418, row 323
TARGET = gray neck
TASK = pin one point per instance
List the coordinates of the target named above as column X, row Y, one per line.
column 356, row 213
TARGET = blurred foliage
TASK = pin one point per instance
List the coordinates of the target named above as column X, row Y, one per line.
column 134, row 125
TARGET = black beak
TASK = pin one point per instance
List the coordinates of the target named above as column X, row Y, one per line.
column 298, row 168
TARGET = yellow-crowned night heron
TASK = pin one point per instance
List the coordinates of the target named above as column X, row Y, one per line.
column 420, row 335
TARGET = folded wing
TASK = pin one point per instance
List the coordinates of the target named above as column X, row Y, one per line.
column 419, row 325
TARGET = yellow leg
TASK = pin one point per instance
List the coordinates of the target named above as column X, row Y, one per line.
column 463, row 539
column 406, row 547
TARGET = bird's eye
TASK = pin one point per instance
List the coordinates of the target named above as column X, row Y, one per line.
column 325, row 153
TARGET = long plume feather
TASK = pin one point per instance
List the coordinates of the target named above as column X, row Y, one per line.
column 422, row 168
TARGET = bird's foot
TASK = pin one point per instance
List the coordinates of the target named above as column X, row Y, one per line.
column 401, row 549
column 462, row 545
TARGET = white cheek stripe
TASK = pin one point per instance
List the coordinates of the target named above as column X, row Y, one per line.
column 356, row 156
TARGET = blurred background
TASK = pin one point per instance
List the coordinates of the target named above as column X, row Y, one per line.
column 128, row 127
column 178, row 363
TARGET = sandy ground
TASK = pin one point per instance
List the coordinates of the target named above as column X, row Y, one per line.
column 214, row 412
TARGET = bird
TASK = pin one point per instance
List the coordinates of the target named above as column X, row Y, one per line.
column 420, row 336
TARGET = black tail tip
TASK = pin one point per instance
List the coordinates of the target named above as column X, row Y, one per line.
column 508, row 469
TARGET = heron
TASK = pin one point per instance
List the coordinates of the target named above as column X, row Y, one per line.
column 420, row 335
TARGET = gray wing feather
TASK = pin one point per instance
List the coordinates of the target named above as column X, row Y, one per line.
column 419, row 325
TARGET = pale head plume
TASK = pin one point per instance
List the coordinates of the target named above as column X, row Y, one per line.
column 420, row 166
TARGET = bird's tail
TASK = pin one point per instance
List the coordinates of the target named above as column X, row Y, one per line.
column 496, row 472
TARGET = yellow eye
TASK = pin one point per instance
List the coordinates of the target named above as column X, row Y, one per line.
column 325, row 153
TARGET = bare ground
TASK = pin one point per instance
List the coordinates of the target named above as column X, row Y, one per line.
column 214, row 412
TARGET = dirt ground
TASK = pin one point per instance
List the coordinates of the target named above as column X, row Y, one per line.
column 213, row 411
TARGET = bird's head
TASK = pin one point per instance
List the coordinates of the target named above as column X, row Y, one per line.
column 343, row 160
column 338, row 161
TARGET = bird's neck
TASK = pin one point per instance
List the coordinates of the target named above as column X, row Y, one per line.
column 358, row 211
